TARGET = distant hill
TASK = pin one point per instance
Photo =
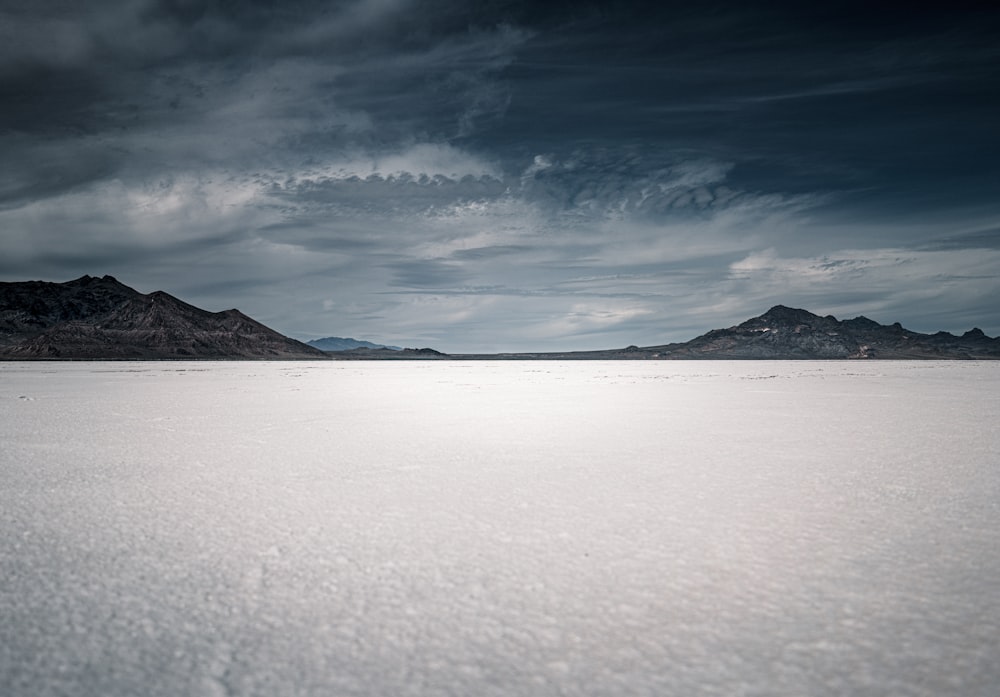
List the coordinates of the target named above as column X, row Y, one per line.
column 100, row 318
column 333, row 344
column 788, row 333
column 390, row 354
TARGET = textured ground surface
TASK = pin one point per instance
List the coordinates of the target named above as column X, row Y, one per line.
column 509, row 528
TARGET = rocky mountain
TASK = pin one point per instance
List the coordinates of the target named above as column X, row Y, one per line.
column 788, row 333
column 334, row 344
column 100, row 318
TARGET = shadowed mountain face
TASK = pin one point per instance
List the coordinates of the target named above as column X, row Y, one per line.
column 787, row 333
column 100, row 318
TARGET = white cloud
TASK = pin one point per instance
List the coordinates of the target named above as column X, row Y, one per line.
column 696, row 173
column 431, row 160
column 121, row 219
column 595, row 316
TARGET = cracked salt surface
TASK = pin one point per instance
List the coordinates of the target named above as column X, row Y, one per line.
column 579, row 528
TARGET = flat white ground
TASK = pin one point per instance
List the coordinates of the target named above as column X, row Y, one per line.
column 509, row 528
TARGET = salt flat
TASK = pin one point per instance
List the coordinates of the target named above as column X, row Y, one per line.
column 508, row 528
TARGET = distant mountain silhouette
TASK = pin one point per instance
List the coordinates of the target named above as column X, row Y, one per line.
column 789, row 333
column 363, row 353
column 100, row 318
column 336, row 343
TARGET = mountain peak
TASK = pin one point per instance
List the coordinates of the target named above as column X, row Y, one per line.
column 790, row 333
column 785, row 313
column 861, row 322
column 88, row 280
column 782, row 315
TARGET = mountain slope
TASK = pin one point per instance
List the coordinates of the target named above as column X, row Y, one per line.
column 789, row 333
column 98, row 318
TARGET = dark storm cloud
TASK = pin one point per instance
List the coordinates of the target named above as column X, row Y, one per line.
column 533, row 171
column 984, row 238
column 800, row 97
column 147, row 85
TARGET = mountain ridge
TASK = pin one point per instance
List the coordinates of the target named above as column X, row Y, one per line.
column 791, row 333
column 101, row 318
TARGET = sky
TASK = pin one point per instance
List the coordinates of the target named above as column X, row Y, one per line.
column 509, row 176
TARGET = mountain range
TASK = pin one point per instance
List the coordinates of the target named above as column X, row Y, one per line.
column 789, row 333
column 101, row 318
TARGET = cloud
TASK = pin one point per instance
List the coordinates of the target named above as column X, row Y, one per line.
column 40, row 42
column 184, row 86
column 617, row 184
column 420, row 166
column 433, row 160
column 981, row 236
column 427, row 273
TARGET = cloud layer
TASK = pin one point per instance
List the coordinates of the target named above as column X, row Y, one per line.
column 500, row 176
